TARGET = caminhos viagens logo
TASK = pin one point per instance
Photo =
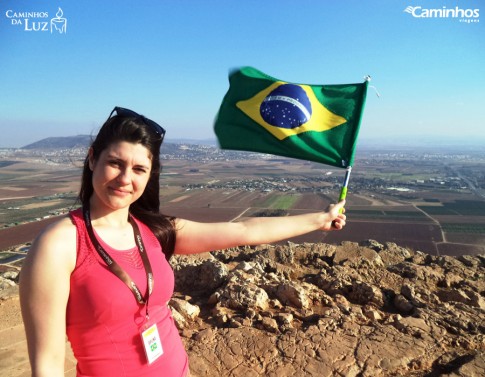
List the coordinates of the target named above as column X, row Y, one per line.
column 468, row 15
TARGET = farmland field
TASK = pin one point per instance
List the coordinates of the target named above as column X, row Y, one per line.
column 458, row 207
column 472, row 228
column 421, row 206
column 280, row 201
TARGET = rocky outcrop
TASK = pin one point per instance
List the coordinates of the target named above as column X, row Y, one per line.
column 9, row 278
column 363, row 309
column 359, row 310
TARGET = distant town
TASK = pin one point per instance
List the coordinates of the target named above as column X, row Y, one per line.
column 442, row 172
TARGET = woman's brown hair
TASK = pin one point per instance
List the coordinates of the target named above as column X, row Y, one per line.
column 147, row 208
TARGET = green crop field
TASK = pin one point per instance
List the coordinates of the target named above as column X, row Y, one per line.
column 406, row 214
column 458, row 207
column 463, row 228
column 382, row 214
column 365, row 213
column 280, row 202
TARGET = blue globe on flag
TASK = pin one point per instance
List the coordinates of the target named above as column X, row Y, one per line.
column 287, row 106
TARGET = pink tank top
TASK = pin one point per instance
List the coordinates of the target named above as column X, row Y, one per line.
column 104, row 319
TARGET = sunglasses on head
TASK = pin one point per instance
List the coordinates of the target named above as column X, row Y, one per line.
column 155, row 127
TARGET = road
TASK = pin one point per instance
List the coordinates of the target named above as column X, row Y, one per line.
column 470, row 184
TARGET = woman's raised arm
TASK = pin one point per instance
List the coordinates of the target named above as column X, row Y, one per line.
column 194, row 237
column 44, row 292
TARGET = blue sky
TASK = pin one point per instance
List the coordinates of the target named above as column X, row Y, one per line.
column 170, row 59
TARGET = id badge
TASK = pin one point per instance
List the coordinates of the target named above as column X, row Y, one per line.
column 152, row 343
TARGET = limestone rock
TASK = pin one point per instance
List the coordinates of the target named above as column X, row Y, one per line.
column 292, row 294
column 364, row 309
column 244, row 296
column 186, row 309
column 205, row 275
column 11, row 275
column 6, row 283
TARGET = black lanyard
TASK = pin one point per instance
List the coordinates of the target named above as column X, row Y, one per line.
column 115, row 268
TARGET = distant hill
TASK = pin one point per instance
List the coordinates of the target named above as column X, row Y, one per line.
column 78, row 141
column 81, row 141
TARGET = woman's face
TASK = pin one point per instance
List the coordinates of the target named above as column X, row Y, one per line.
column 120, row 174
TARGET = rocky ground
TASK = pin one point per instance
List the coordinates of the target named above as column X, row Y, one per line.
column 320, row 310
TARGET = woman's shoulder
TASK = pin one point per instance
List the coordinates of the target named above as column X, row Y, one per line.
column 57, row 240
column 63, row 228
column 50, row 260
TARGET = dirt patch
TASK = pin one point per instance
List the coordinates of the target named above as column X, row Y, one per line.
column 12, row 188
column 180, row 198
column 49, row 203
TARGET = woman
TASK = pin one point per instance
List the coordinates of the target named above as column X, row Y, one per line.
column 99, row 274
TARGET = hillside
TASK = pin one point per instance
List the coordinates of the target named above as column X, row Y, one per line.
column 357, row 309
column 66, row 142
column 82, row 141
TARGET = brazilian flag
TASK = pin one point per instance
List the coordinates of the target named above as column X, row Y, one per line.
column 310, row 122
